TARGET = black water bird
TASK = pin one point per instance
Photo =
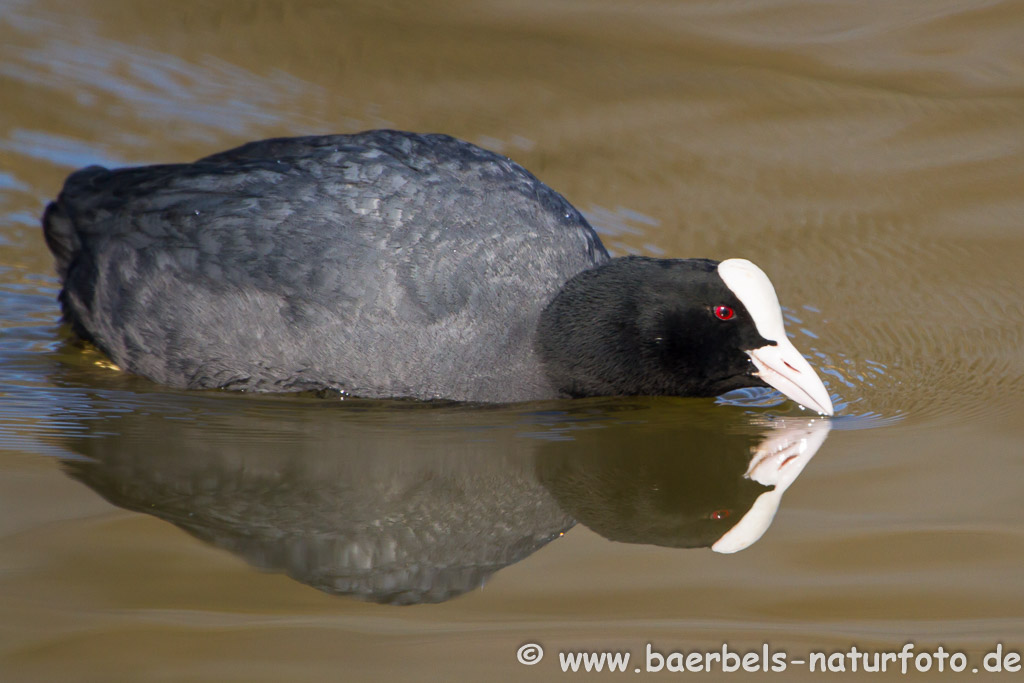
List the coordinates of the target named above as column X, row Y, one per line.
column 391, row 264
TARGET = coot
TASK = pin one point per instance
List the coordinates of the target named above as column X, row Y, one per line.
column 392, row 264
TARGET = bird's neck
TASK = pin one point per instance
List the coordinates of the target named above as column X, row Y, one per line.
column 587, row 336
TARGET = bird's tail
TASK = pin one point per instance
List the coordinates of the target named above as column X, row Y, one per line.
column 59, row 226
column 61, row 237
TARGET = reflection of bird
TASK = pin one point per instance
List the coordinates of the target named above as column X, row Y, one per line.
column 777, row 461
column 336, row 502
column 704, row 484
column 680, row 487
column 422, row 504
column 392, row 264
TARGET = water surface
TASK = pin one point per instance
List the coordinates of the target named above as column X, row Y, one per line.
column 867, row 155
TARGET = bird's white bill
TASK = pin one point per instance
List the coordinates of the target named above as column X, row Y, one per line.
column 783, row 368
column 777, row 462
column 780, row 365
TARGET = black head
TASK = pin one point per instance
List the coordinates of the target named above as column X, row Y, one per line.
column 643, row 326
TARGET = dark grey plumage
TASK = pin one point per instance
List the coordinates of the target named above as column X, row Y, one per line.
column 260, row 268
column 390, row 264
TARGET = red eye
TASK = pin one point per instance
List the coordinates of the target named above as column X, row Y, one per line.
column 724, row 313
column 719, row 514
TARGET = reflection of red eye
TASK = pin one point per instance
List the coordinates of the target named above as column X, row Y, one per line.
column 719, row 514
column 724, row 313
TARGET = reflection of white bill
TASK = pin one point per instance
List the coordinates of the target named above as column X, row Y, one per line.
column 777, row 462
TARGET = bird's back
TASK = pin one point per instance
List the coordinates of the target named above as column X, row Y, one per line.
column 380, row 264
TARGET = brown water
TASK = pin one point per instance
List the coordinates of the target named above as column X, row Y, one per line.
column 868, row 155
